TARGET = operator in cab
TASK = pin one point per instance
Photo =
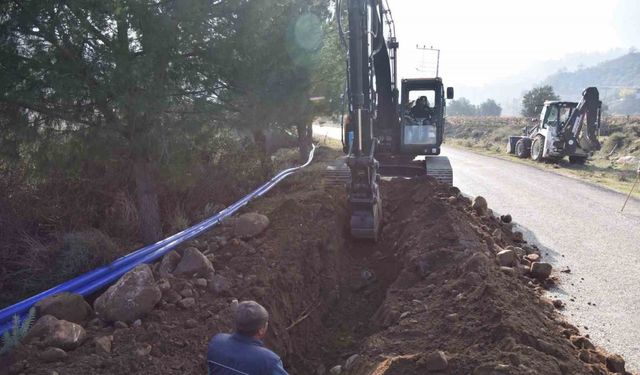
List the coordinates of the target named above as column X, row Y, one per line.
column 421, row 108
column 243, row 351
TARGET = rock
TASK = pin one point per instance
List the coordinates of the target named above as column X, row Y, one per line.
column 532, row 257
column 143, row 350
column 172, row 296
column 558, row 304
column 193, row 262
column 187, row 303
column 120, row 325
column 233, row 306
column 436, row 361
column 336, row 370
column 66, row 306
column 164, row 285
column 51, row 331
column 520, row 252
column 103, row 344
column 506, row 218
column 95, row 323
column 540, row 271
column 615, row 363
column 133, row 296
column 137, row 323
column 507, row 258
column 508, row 270
column 186, row 292
column 201, row 283
column 480, row 205
column 191, row 323
column 351, row 361
column 497, row 234
column 169, row 263
column 452, row 200
column 250, row 225
column 220, row 285
column 517, row 236
column 53, row 354
column 581, row 342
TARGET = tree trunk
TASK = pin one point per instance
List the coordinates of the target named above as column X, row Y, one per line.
column 305, row 139
column 260, row 141
column 149, row 224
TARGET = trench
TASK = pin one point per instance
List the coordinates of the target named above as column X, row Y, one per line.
column 350, row 319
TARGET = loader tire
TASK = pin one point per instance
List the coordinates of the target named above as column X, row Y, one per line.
column 537, row 148
column 521, row 149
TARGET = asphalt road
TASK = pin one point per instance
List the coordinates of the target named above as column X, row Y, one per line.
column 578, row 226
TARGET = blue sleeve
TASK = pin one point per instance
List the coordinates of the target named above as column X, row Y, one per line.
column 278, row 369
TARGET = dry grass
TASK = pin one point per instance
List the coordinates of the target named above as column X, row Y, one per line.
column 489, row 136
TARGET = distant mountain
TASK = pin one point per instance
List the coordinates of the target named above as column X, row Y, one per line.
column 623, row 72
column 508, row 92
column 618, row 81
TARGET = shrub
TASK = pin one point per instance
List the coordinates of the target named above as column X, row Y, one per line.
column 18, row 331
column 616, row 139
column 82, row 251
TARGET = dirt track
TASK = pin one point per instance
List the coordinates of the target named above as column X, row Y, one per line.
column 431, row 284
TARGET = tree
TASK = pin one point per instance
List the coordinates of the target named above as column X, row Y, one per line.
column 490, row 108
column 534, row 99
column 462, row 107
column 119, row 76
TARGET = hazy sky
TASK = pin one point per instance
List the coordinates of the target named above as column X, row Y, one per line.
column 485, row 40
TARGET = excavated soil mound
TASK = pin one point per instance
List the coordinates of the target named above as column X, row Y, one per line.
column 429, row 297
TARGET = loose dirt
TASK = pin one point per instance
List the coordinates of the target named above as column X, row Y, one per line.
column 431, row 285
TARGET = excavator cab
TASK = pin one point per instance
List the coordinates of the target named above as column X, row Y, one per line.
column 422, row 128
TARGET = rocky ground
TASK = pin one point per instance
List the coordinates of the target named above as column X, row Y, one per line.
column 449, row 289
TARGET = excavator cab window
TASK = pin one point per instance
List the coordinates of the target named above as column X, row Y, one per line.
column 552, row 116
column 565, row 113
column 421, row 104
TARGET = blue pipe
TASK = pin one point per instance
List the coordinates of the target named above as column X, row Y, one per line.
column 102, row 276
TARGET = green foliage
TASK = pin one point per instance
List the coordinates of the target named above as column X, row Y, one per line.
column 490, row 108
column 461, row 107
column 18, row 331
column 534, row 99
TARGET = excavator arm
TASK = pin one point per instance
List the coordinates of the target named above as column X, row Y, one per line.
column 372, row 100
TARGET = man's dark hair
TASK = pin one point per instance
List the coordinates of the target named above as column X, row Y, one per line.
column 250, row 318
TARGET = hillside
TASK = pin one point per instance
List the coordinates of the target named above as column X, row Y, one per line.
column 612, row 77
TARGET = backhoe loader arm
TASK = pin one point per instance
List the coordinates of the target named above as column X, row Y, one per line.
column 589, row 111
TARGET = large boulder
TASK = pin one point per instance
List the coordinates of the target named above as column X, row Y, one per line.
column 507, row 258
column 51, row 331
column 540, row 271
column 250, row 225
column 479, row 204
column 193, row 263
column 66, row 306
column 133, row 296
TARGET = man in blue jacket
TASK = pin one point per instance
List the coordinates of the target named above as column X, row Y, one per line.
column 243, row 351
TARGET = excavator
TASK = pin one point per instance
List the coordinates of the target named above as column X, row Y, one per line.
column 565, row 129
column 386, row 132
